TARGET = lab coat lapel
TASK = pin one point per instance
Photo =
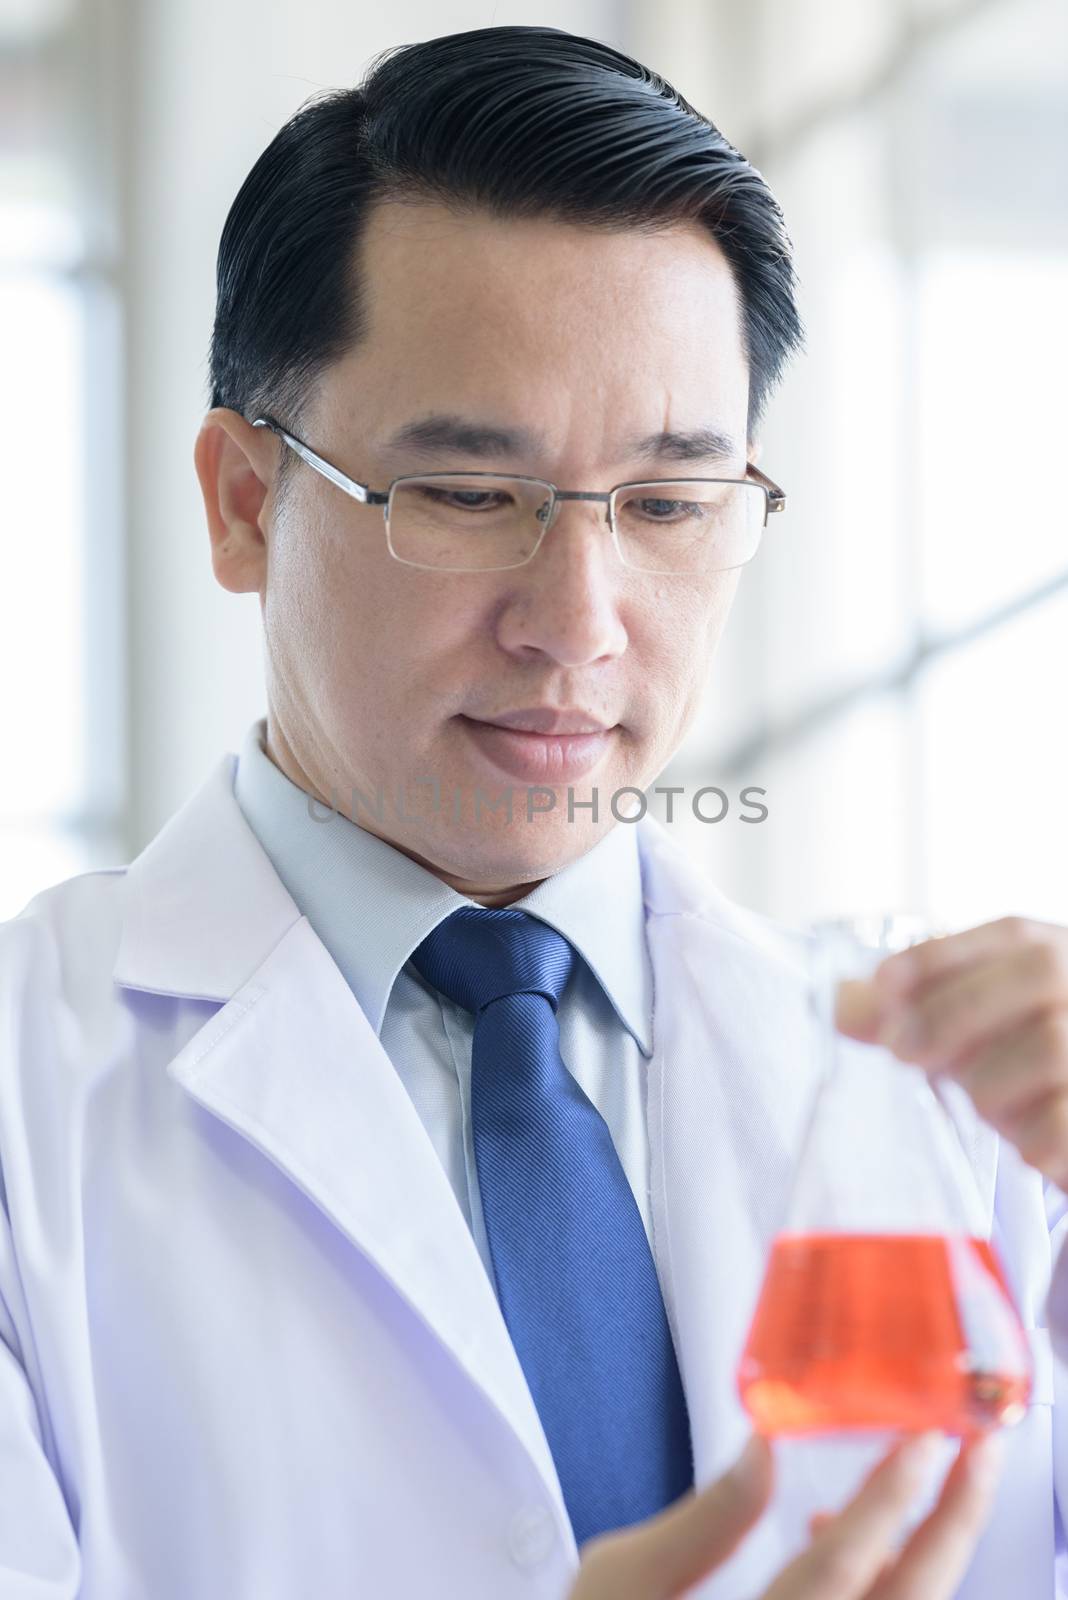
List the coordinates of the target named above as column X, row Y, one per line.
column 728, row 1084
column 291, row 1062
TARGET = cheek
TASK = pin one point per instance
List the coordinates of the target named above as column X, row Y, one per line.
column 407, row 644
column 679, row 648
column 295, row 603
column 331, row 597
column 688, row 623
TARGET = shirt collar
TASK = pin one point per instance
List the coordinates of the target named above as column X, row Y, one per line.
column 596, row 902
column 335, row 870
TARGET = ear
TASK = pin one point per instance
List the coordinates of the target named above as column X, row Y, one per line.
column 235, row 464
column 755, row 450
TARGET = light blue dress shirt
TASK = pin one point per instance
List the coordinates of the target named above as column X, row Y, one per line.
column 371, row 905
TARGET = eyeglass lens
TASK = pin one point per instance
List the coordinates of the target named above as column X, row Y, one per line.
column 483, row 523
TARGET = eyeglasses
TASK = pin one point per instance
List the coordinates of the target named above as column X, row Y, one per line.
column 487, row 521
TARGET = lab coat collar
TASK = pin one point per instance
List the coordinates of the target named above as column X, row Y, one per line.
column 200, row 911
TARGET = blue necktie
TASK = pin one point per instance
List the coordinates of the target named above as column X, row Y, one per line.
column 576, row 1278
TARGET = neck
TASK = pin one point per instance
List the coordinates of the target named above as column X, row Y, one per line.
column 484, row 894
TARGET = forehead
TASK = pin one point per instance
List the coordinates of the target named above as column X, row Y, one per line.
column 466, row 310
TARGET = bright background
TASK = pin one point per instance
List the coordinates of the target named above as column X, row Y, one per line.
column 895, row 672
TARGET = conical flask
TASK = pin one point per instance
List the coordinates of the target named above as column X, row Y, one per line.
column 884, row 1305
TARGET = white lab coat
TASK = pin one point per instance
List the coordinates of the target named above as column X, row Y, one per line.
column 247, row 1346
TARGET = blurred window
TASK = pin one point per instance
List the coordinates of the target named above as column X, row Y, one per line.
column 904, row 651
column 61, row 788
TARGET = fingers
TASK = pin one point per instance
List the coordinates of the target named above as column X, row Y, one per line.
column 852, row 1555
column 699, row 1532
column 934, row 1560
column 1011, row 1074
column 1040, row 1133
column 944, row 1022
column 858, row 1009
column 936, row 1000
column 847, row 1556
column 662, row 1558
column 1019, row 1084
column 911, row 969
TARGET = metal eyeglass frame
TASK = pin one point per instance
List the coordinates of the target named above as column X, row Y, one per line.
column 774, row 497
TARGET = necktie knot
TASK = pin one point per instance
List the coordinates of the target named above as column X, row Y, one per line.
column 478, row 954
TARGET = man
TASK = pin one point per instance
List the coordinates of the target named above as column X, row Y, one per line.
column 390, row 1153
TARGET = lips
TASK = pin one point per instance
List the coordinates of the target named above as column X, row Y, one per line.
column 532, row 757
column 547, row 719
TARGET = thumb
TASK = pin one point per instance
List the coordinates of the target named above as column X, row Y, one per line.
column 701, row 1529
column 858, row 1009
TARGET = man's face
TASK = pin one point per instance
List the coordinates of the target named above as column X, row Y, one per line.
column 380, row 673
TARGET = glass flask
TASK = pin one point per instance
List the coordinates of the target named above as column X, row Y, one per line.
column 884, row 1306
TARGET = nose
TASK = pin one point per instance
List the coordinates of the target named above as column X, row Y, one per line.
column 564, row 603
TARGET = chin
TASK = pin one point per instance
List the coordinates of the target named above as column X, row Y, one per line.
column 518, row 853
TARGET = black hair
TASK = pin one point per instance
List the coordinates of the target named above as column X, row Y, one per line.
column 519, row 121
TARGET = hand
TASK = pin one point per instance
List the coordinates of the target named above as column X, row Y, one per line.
column 989, row 1008
column 850, row 1556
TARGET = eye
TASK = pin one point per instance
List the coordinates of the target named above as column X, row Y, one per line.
column 663, row 510
column 465, row 499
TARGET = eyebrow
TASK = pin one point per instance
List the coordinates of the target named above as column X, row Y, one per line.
column 441, row 431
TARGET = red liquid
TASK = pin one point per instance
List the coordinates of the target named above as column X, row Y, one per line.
column 877, row 1331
